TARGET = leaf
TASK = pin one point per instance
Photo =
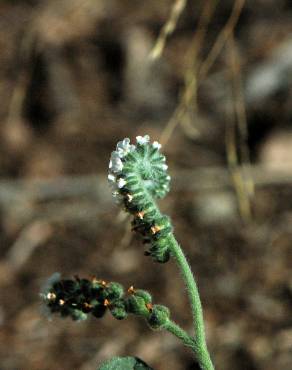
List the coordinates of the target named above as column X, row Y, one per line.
column 124, row 363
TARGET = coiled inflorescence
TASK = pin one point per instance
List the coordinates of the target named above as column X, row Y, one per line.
column 76, row 298
column 138, row 175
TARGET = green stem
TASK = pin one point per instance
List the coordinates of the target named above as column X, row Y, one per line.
column 176, row 330
column 200, row 346
column 202, row 355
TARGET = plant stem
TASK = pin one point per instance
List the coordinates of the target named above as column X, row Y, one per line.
column 201, row 353
column 176, row 330
column 200, row 346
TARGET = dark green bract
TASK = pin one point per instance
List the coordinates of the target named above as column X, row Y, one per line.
column 76, row 298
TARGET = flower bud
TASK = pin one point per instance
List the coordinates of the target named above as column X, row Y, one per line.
column 118, row 310
column 158, row 317
column 113, row 291
column 136, row 305
column 143, row 294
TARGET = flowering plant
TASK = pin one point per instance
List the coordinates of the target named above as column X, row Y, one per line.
column 138, row 176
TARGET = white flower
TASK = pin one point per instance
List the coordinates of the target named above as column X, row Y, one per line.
column 164, row 167
column 156, row 145
column 121, row 183
column 115, row 165
column 112, row 181
column 111, row 178
column 142, row 140
column 124, row 147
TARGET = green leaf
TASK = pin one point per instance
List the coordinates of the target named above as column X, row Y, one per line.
column 124, row 363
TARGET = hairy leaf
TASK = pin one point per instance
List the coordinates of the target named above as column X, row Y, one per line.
column 124, row 363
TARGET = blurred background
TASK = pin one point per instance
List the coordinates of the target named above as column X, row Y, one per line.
column 212, row 81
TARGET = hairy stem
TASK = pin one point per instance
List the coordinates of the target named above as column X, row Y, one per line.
column 176, row 330
column 200, row 346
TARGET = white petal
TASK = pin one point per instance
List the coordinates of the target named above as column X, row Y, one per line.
column 124, row 147
column 116, row 165
column 121, row 183
column 156, row 145
column 111, row 177
column 142, row 140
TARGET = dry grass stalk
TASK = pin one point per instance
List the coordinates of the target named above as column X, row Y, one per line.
column 168, row 28
column 196, row 73
column 236, row 130
column 188, row 98
column 222, row 38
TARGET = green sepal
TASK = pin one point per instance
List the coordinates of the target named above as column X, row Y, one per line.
column 124, row 363
column 113, row 291
column 143, row 294
column 136, row 305
column 158, row 317
column 118, row 310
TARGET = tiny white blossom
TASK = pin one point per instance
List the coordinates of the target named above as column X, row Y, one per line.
column 116, row 165
column 111, row 177
column 142, row 140
column 156, row 145
column 112, row 180
column 164, row 166
column 121, row 183
column 124, row 147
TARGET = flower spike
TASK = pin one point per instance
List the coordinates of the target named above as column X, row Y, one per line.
column 137, row 174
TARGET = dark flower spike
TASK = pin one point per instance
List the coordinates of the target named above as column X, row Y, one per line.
column 138, row 175
column 76, row 298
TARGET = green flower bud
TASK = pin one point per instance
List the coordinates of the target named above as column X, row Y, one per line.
column 113, row 291
column 158, row 317
column 118, row 310
column 143, row 294
column 137, row 306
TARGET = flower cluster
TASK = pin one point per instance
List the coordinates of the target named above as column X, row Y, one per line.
column 76, row 298
column 138, row 174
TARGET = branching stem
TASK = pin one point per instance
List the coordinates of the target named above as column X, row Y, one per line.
column 200, row 346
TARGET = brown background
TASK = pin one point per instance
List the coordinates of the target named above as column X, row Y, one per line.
column 75, row 78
